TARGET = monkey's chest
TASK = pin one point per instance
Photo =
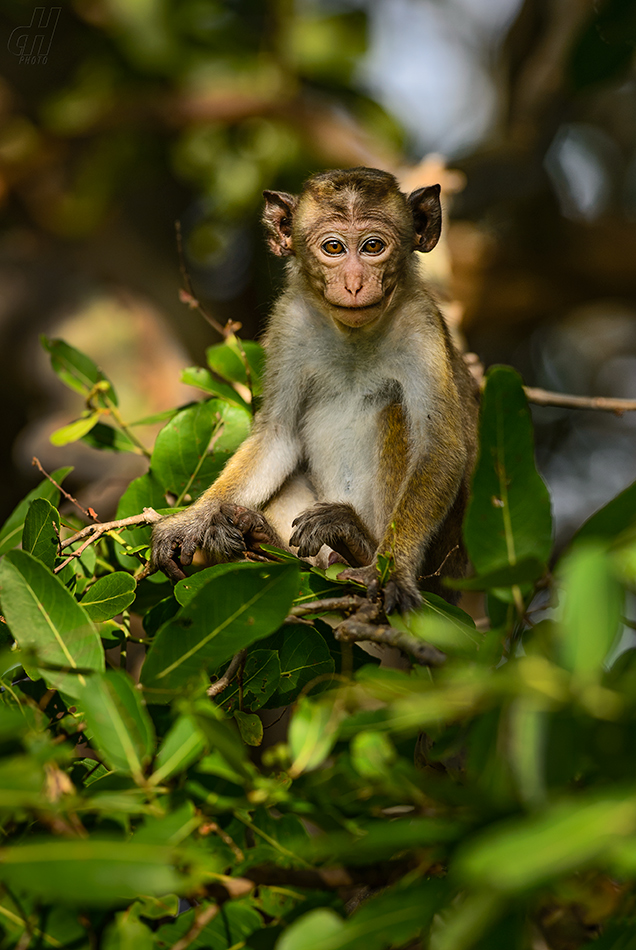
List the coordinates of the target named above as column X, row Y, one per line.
column 341, row 437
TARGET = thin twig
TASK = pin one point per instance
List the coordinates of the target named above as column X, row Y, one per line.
column 224, row 681
column 148, row 516
column 202, row 919
column 187, row 295
column 93, row 532
column 223, row 835
column 542, row 397
column 87, row 512
column 438, row 572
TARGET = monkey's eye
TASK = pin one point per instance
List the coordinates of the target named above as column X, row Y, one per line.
column 333, row 247
column 373, row 246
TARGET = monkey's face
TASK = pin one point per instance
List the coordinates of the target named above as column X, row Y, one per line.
column 351, row 263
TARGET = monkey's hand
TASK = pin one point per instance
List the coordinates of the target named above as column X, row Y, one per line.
column 400, row 592
column 225, row 532
column 336, row 525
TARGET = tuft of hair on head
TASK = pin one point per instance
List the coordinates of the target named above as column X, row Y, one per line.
column 371, row 183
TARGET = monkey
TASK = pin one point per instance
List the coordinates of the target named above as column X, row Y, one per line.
column 365, row 441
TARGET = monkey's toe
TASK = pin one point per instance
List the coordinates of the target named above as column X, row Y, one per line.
column 401, row 597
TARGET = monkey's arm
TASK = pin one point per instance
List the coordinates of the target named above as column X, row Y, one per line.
column 222, row 521
column 415, row 504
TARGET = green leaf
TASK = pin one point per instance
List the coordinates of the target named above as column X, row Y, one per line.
column 390, row 919
column 186, row 589
column 183, row 745
column 508, row 518
column 109, row 596
column 11, row 531
column 75, row 430
column 229, row 613
column 96, row 873
column 250, row 727
column 203, row 379
column 230, row 928
column 107, row 437
column 259, row 679
column 464, row 922
column 192, row 448
column 516, row 855
column 77, row 370
column 227, row 360
column 304, row 656
column 592, row 610
column 523, row 572
column 41, row 531
column 312, row 733
column 322, row 928
column 372, row 754
column 611, row 520
column 45, row 617
column 447, row 627
column 381, row 840
column 127, row 933
column 119, row 724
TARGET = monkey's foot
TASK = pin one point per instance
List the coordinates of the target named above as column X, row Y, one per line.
column 398, row 594
column 337, row 526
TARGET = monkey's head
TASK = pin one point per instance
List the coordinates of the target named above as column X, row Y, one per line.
column 352, row 233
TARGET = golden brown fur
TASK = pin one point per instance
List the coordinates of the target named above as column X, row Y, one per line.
column 366, row 439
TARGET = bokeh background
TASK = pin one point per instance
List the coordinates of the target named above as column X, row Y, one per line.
column 120, row 117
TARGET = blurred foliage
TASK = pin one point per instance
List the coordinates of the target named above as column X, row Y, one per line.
column 487, row 803
column 230, row 97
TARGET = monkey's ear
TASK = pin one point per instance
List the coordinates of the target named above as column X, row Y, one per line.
column 277, row 218
column 427, row 216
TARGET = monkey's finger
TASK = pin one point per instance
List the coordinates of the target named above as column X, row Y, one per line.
column 172, row 569
column 188, row 549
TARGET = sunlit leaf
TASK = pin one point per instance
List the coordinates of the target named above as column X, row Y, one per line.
column 508, row 518
column 109, row 596
column 46, row 618
column 229, row 613
column 11, row 531
column 42, row 531
column 118, row 721
column 77, row 370
column 75, row 430
column 95, row 872
column 592, row 609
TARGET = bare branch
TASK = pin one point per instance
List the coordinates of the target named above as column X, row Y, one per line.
column 542, row 397
column 93, row 532
column 345, row 604
column 87, row 512
column 224, row 681
column 423, row 653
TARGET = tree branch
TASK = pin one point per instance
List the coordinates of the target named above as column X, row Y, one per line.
column 93, row 532
column 224, row 681
column 542, row 397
